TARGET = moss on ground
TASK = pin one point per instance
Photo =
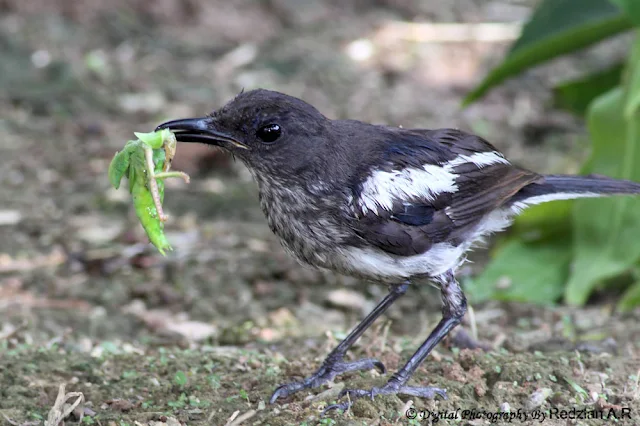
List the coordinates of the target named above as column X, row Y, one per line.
column 209, row 385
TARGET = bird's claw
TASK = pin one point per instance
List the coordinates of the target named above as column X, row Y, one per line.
column 427, row 392
column 327, row 372
column 344, row 406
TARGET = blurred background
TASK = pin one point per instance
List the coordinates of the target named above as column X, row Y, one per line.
column 204, row 335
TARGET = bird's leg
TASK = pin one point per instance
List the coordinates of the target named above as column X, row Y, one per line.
column 333, row 363
column 453, row 309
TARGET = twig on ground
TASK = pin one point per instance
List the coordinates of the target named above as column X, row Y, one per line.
column 59, row 412
column 232, row 417
column 9, row 420
column 243, row 418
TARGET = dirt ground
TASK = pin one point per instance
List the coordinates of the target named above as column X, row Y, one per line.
column 205, row 335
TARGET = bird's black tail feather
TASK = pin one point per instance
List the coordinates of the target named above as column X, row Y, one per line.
column 562, row 187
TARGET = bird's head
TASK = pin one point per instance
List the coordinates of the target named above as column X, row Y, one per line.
column 272, row 133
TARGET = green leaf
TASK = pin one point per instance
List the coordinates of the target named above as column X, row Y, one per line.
column 607, row 231
column 631, row 8
column 630, row 299
column 120, row 163
column 545, row 221
column 180, row 379
column 153, row 139
column 576, row 95
column 577, row 388
column 557, row 27
column 633, row 81
column 541, row 235
column 118, row 167
column 516, row 273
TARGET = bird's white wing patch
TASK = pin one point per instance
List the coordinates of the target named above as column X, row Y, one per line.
column 480, row 159
column 382, row 188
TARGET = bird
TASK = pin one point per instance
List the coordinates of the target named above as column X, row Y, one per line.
column 397, row 206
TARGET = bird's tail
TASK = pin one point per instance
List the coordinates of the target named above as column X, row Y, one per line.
column 564, row 187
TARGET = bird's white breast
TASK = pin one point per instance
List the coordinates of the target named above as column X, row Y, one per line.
column 376, row 264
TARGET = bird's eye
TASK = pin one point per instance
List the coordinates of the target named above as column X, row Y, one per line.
column 269, row 133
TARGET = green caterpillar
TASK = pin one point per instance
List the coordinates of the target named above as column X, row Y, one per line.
column 146, row 166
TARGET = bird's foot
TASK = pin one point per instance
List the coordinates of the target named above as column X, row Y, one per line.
column 326, row 373
column 391, row 387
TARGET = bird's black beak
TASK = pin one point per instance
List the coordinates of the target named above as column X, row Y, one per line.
column 200, row 130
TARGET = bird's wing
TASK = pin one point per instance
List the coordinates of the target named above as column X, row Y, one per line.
column 409, row 205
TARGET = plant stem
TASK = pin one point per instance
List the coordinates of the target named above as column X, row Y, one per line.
column 153, row 185
column 165, row 175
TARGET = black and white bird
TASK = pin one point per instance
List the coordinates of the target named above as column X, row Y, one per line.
column 393, row 205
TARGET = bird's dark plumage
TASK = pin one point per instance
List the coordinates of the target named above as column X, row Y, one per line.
column 383, row 203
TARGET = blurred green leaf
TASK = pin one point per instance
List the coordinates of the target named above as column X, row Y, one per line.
column 631, row 298
column 541, row 233
column 631, row 9
column 576, row 95
column 545, row 221
column 557, row 27
column 180, row 379
column 633, row 82
column 516, row 273
column 577, row 388
column 607, row 231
